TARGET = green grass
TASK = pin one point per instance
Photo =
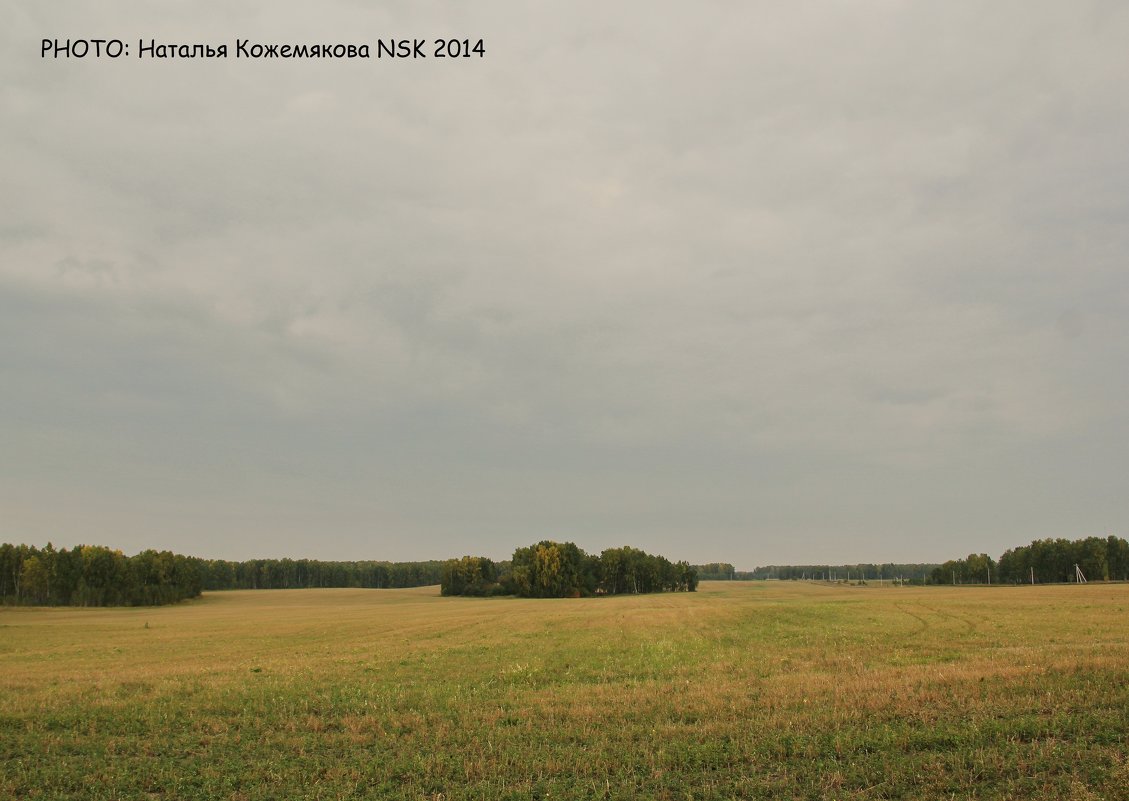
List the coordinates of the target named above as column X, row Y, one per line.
column 759, row 690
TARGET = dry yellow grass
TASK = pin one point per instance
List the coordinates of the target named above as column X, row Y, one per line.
column 766, row 689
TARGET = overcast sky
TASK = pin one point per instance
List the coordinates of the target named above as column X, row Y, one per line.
column 752, row 282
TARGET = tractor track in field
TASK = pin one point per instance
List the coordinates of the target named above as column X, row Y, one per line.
column 969, row 624
column 924, row 625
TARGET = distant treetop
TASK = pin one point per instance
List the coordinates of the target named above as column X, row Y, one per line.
column 562, row 570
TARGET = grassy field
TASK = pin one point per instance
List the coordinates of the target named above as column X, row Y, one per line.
column 742, row 690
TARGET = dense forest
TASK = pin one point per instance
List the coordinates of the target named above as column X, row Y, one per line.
column 1043, row 561
column 92, row 575
column 562, row 570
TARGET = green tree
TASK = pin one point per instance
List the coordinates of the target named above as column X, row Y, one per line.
column 471, row 575
column 35, row 580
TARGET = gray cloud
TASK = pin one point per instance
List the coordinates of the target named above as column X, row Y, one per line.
column 737, row 282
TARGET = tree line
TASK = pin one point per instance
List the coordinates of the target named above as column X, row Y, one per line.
column 93, row 575
column 1045, row 561
column 562, row 570
column 717, row 571
column 910, row 573
column 300, row 574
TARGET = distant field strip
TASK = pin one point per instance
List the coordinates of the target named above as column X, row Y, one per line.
column 741, row 690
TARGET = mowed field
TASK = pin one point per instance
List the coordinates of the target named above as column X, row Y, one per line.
column 741, row 690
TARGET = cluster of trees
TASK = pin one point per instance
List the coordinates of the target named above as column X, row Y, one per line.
column 472, row 575
column 976, row 568
column 628, row 569
column 562, row 570
column 1043, row 561
column 91, row 575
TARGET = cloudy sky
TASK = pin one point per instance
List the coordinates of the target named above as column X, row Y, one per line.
column 760, row 282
